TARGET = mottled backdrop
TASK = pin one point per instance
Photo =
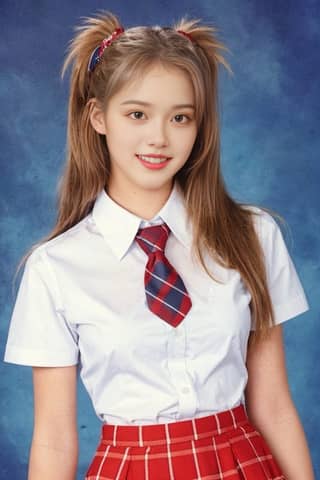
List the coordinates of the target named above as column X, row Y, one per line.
column 270, row 116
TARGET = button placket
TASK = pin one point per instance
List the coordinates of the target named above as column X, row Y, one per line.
column 179, row 373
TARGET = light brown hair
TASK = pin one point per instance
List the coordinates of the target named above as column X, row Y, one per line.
column 222, row 227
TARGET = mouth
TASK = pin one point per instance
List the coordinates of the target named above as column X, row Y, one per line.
column 153, row 158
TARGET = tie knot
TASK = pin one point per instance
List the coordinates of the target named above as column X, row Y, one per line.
column 153, row 239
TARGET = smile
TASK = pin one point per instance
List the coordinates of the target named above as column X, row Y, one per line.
column 153, row 159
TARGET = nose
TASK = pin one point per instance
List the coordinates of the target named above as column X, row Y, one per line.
column 158, row 136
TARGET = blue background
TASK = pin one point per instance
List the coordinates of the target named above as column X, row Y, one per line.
column 270, row 156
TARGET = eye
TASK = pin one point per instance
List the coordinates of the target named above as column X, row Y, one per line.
column 136, row 115
column 181, row 118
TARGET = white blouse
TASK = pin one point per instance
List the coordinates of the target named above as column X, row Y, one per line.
column 82, row 300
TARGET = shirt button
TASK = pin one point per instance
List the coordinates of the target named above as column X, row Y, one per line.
column 185, row 390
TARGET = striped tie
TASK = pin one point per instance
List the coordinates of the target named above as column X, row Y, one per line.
column 166, row 293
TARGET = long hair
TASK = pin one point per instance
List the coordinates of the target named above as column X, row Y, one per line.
column 221, row 226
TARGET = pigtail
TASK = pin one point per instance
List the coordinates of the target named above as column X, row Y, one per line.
column 210, row 207
column 86, row 169
column 205, row 37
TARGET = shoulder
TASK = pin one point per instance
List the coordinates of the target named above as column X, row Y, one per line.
column 63, row 246
column 265, row 221
column 274, row 235
column 273, row 232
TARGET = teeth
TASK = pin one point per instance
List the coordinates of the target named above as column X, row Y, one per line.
column 152, row 160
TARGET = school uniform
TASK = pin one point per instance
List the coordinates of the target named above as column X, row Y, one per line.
column 171, row 399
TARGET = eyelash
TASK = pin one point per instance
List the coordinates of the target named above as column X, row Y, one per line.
column 131, row 115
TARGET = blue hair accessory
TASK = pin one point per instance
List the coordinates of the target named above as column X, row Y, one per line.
column 97, row 53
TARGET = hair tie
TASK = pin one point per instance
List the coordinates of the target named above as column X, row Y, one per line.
column 187, row 35
column 97, row 53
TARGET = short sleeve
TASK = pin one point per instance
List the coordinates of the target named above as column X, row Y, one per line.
column 39, row 334
column 286, row 292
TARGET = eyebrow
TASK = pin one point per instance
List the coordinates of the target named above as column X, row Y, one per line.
column 146, row 104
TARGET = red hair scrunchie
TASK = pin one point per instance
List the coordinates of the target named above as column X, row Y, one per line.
column 186, row 34
column 97, row 53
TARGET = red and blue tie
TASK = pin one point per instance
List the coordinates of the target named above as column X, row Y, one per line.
column 166, row 293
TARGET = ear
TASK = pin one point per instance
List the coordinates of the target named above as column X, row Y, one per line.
column 96, row 115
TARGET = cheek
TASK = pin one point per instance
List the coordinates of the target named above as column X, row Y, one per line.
column 117, row 139
column 123, row 134
column 187, row 140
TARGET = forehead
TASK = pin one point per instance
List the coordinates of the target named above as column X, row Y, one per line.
column 158, row 82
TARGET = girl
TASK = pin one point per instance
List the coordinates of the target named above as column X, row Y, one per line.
column 166, row 293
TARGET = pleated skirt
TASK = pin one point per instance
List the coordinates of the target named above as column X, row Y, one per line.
column 223, row 446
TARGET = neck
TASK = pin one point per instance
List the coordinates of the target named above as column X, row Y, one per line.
column 144, row 204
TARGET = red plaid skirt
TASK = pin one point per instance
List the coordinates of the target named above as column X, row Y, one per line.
column 223, row 446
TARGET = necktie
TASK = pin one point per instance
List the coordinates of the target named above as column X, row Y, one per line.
column 166, row 293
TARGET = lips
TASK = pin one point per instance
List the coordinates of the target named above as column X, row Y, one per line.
column 153, row 162
column 153, row 158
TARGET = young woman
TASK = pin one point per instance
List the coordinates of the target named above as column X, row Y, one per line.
column 165, row 293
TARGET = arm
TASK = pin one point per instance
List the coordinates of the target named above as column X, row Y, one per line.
column 54, row 448
column 271, row 409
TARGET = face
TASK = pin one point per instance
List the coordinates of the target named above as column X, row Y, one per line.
column 150, row 130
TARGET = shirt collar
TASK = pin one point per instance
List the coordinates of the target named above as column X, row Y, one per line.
column 119, row 226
